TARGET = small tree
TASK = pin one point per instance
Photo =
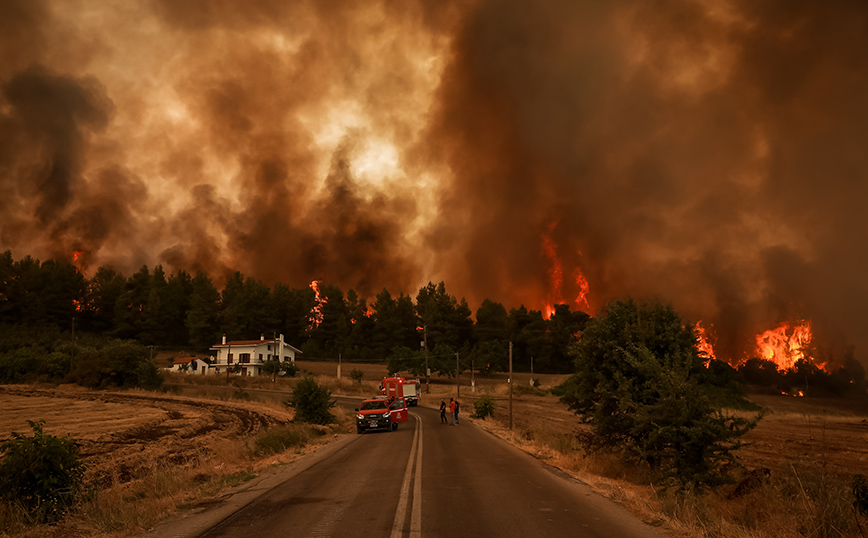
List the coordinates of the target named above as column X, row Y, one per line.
column 483, row 407
column 43, row 473
column 150, row 376
column 639, row 383
column 311, row 402
column 357, row 375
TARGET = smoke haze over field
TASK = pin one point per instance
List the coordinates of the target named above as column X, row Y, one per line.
column 707, row 153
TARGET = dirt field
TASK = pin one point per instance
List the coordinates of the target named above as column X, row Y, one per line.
column 122, row 434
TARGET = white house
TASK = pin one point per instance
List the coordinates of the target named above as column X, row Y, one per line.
column 251, row 355
column 190, row 365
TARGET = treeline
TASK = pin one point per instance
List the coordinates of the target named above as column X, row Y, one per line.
column 185, row 311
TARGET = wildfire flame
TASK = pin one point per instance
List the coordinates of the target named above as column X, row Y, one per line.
column 76, row 254
column 584, row 289
column 556, row 278
column 316, row 312
column 785, row 344
column 703, row 342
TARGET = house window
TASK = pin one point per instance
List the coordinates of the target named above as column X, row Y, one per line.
column 230, row 359
column 244, row 358
column 260, row 357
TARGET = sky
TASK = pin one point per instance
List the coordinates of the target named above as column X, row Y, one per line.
column 707, row 154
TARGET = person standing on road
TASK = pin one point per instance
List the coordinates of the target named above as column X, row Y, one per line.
column 451, row 411
column 457, row 408
column 443, row 412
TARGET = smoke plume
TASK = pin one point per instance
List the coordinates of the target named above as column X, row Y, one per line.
column 709, row 154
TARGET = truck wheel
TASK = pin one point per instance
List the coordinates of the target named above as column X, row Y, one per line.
column 359, row 430
column 394, row 426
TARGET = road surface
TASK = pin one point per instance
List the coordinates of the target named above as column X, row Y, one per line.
column 425, row 479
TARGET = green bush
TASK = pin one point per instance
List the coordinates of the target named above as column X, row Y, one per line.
column 646, row 393
column 42, row 473
column 149, row 375
column 357, row 375
column 484, row 407
column 110, row 364
column 311, row 402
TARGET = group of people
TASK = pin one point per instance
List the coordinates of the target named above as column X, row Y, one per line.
column 453, row 407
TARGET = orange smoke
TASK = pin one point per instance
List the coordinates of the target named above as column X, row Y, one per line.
column 785, row 344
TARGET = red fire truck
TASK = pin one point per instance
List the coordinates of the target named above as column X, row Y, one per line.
column 381, row 414
column 398, row 387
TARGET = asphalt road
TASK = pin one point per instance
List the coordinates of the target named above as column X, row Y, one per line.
column 425, row 479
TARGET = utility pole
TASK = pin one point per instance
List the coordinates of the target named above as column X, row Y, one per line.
column 228, row 358
column 472, row 379
column 457, row 384
column 510, row 385
column 339, row 366
column 72, row 356
column 427, row 370
column 276, row 357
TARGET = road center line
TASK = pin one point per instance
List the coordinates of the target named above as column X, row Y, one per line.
column 401, row 512
column 416, row 519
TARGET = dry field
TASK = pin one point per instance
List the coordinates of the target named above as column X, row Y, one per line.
column 204, row 425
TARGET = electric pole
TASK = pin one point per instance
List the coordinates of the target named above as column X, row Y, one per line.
column 457, row 384
column 427, row 370
column 510, row 385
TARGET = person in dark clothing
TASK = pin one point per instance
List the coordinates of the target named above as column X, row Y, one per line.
column 457, row 408
column 442, row 411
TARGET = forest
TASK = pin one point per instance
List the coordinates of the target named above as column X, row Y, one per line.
column 182, row 311
column 56, row 323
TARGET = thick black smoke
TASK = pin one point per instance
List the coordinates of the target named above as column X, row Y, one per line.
column 710, row 154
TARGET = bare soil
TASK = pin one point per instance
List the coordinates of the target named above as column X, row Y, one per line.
column 122, row 434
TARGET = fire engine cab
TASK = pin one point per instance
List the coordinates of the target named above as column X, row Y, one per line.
column 398, row 387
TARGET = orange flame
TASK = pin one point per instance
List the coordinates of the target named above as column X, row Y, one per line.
column 703, row 342
column 76, row 254
column 556, row 277
column 584, row 289
column 316, row 312
column 785, row 344
column 555, row 272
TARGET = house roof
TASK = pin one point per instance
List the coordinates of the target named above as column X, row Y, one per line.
column 243, row 343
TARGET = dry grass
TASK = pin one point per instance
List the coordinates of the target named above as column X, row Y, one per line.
column 806, row 494
column 134, row 487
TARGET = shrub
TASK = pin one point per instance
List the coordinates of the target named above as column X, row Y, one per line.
column 644, row 390
column 150, row 376
column 276, row 440
column 357, row 375
column 311, row 402
column 42, row 473
column 484, row 407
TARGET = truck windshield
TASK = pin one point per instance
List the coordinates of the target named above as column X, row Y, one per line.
column 376, row 404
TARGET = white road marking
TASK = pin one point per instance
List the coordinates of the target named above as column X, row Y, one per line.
column 401, row 513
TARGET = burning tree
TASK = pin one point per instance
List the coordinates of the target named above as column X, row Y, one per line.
column 642, row 386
